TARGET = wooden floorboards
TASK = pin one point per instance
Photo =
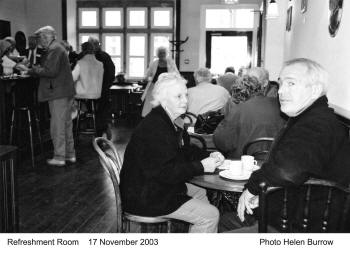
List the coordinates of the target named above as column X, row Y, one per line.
column 77, row 198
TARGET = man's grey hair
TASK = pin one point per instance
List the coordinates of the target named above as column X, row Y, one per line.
column 202, row 74
column 48, row 31
column 315, row 73
column 95, row 42
column 164, row 83
column 261, row 74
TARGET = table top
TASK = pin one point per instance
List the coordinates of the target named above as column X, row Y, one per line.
column 214, row 181
column 127, row 87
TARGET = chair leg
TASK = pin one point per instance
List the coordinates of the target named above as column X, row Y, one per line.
column 77, row 123
column 93, row 116
column 12, row 125
column 30, row 136
column 38, row 130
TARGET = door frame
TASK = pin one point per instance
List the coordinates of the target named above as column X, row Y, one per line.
column 210, row 33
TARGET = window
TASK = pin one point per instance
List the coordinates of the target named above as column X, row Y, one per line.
column 229, row 18
column 130, row 35
column 137, row 17
column 161, row 18
column 112, row 17
column 112, row 44
column 88, row 18
column 136, row 55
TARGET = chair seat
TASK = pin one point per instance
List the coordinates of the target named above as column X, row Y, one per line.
column 144, row 219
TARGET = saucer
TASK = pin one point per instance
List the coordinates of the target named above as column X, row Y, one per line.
column 231, row 175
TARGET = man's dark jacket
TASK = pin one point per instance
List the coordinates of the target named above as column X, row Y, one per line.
column 156, row 167
column 313, row 144
column 108, row 70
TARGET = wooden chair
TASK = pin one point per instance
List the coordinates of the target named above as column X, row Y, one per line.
column 259, row 148
column 112, row 163
column 328, row 220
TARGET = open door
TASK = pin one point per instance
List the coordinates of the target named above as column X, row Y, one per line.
column 228, row 48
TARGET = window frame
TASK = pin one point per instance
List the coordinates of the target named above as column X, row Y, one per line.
column 154, row 9
column 80, row 17
column 105, row 9
column 128, row 56
column 121, row 48
column 129, row 9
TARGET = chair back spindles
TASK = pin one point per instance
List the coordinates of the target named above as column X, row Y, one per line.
column 284, row 216
column 326, row 213
column 307, row 221
column 262, row 204
column 306, row 211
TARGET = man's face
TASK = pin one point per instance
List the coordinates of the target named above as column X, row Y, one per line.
column 44, row 41
column 295, row 94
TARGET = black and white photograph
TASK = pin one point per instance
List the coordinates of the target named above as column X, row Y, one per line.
column 136, row 125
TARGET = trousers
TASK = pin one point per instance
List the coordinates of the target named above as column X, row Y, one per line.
column 61, row 128
column 203, row 216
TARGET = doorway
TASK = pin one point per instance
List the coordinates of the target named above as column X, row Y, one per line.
column 228, row 48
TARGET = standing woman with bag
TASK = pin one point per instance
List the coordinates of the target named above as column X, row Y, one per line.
column 163, row 64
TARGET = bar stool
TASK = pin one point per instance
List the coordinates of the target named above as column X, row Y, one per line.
column 89, row 116
column 21, row 103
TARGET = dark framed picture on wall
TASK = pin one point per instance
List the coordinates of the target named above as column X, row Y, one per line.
column 303, row 6
column 289, row 18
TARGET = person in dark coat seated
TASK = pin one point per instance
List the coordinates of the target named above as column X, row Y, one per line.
column 157, row 164
column 248, row 115
column 312, row 144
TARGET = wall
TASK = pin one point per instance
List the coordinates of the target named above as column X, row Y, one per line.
column 15, row 12
column 274, row 42
column 42, row 13
column 309, row 38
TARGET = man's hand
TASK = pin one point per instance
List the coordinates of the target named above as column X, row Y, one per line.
column 247, row 202
column 218, row 156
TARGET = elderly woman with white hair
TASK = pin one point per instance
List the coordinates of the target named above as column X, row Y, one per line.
column 157, row 163
column 162, row 64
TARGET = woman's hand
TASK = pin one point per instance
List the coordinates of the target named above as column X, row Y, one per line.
column 210, row 164
column 217, row 155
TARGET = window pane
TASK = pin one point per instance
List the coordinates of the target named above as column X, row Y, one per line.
column 113, row 44
column 117, row 63
column 160, row 40
column 136, row 67
column 218, row 18
column 88, row 18
column 137, row 18
column 113, row 18
column 244, row 18
column 229, row 18
column 161, row 18
column 137, row 45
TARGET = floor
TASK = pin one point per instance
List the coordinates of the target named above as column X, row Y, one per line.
column 77, row 198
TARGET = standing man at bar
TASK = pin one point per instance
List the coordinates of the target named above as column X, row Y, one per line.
column 56, row 87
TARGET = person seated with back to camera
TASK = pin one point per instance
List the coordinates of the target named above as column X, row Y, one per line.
column 248, row 116
column 158, row 164
column 205, row 96
column 312, row 144
column 269, row 88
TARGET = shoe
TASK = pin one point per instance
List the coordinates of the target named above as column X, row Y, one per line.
column 55, row 162
column 71, row 159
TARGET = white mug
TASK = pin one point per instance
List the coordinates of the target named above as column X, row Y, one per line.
column 248, row 163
